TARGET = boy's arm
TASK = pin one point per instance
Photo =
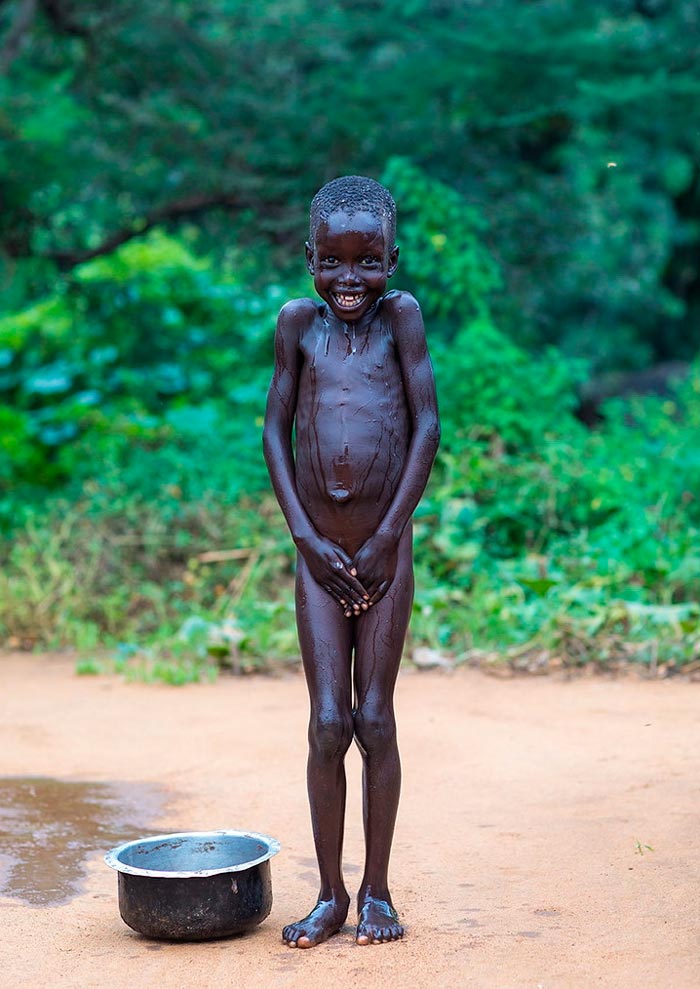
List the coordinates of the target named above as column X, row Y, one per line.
column 330, row 566
column 376, row 559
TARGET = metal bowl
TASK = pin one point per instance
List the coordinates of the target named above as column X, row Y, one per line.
column 194, row 885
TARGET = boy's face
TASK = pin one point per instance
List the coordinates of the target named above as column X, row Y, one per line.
column 350, row 262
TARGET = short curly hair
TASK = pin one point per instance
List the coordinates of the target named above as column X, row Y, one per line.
column 354, row 194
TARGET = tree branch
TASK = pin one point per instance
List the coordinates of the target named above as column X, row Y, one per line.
column 66, row 260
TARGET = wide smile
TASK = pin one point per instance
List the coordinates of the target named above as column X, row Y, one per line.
column 349, row 300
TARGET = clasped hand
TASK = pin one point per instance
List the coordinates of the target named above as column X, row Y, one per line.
column 355, row 583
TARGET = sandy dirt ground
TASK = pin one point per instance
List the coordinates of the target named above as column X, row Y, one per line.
column 526, row 807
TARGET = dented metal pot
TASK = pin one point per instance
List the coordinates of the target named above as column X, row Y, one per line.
column 194, row 885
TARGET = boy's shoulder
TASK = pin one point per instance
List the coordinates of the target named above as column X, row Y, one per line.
column 298, row 311
column 404, row 317
column 396, row 302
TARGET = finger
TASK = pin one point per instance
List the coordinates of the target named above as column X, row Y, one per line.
column 349, row 579
column 355, row 583
column 334, row 592
column 344, row 558
column 348, row 599
column 375, row 583
column 351, row 569
column 373, row 587
column 362, row 605
column 356, row 592
column 359, row 582
column 380, row 592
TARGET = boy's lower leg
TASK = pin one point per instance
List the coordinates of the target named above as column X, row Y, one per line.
column 379, row 644
column 331, row 909
column 377, row 918
column 326, row 644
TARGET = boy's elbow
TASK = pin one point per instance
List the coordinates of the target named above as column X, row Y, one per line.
column 428, row 436
column 276, row 439
column 433, row 433
column 268, row 442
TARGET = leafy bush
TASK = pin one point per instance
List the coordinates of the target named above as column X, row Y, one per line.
column 126, row 351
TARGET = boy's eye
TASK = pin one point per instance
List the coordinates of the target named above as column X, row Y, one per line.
column 370, row 260
column 330, row 261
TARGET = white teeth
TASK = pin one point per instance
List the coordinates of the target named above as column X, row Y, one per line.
column 348, row 301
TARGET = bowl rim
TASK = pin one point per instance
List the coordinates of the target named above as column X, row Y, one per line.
column 112, row 857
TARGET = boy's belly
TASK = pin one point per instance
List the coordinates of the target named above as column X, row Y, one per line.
column 350, row 452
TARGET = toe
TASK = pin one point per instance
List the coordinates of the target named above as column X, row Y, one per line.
column 290, row 935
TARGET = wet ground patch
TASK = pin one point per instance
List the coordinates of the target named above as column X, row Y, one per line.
column 50, row 827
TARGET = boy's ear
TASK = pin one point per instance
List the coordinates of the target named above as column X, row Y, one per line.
column 309, row 257
column 393, row 261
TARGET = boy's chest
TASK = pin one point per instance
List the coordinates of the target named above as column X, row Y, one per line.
column 339, row 353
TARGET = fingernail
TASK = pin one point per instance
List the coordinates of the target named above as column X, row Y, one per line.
column 366, row 597
column 353, row 572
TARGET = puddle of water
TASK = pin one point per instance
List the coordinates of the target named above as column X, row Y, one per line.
column 49, row 827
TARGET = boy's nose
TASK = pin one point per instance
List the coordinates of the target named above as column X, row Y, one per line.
column 348, row 276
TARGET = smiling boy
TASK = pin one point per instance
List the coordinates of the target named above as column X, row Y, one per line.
column 354, row 374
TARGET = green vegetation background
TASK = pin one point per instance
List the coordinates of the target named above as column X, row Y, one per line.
column 156, row 164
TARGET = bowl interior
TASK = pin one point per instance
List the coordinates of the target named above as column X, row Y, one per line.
column 194, row 853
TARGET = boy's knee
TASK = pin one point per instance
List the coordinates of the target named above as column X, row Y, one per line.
column 374, row 729
column 330, row 734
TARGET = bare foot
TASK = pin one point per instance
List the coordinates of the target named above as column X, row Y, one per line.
column 326, row 919
column 378, row 922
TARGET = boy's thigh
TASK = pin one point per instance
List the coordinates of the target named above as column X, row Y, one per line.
column 381, row 631
column 325, row 637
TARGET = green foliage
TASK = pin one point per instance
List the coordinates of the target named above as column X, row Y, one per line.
column 490, row 387
column 141, row 347
column 584, row 538
column 584, row 545
column 548, row 213
column 563, row 125
column 447, row 263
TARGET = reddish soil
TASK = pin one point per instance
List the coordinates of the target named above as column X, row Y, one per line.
column 548, row 836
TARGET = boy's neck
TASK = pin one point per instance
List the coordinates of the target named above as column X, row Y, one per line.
column 353, row 324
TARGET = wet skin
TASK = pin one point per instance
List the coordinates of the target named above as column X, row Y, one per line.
column 354, row 373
